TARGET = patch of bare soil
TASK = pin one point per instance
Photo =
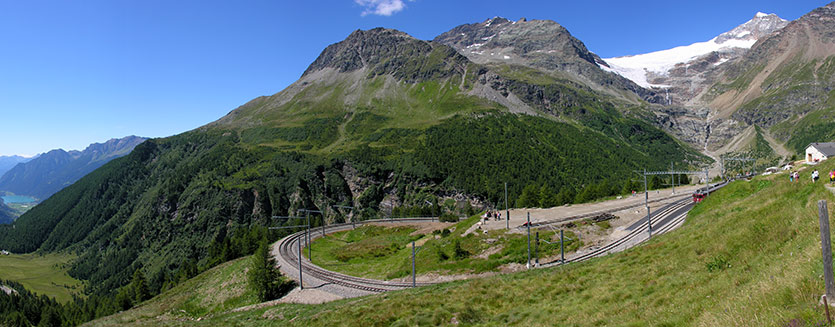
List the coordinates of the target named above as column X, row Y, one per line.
column 512, row 267
column 438, row 278
column 492, row 250
column 306, row 296
column 428, row 228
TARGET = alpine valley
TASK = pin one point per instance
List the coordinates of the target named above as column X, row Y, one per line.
column 396, row 126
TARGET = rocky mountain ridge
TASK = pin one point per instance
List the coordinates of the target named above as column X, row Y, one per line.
column 543, row 45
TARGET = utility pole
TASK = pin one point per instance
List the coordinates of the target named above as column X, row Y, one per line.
column 707, row 183
column 414, row 255
column 646, row 188
column 301, row 282
column 308, row 235
column 672, row 177
column 536, row 251
column 299, row 241
column 646, row 202
column 506, row 210
column 529, row 240
column 562, row 248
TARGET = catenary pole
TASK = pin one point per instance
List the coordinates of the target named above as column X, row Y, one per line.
column 536, row 251
column 301, row 282
column 562, row 248
column 506, row 210
column 646, row 202
column 529, row 240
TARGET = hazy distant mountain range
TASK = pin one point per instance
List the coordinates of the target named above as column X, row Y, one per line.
column 48, row 173
column 7, row 162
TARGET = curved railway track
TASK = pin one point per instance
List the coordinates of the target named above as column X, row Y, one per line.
column 665, row 219
column 288, row 249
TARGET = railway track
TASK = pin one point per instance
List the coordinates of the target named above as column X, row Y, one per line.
column 666, row 219
column 288, row 250
column 664, row 223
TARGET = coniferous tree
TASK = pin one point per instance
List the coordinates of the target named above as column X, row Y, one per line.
column 264, row 277
column 547, row 198
column 529, row 197
column 140, row 287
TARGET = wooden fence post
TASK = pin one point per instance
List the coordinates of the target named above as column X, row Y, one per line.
column 826, row 249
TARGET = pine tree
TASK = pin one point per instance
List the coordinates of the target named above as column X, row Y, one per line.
column 263, row 277
column 547, row 198
column 140, row 287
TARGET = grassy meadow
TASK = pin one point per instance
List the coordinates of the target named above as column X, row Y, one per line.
column 383, row 252
column 42, row 274
column 217, row 290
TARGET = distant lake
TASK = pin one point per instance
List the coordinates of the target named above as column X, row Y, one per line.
column 18, row 199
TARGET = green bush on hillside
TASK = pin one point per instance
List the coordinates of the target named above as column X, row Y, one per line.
column 448, row 217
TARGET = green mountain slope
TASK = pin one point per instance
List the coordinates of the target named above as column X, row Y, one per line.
column 7, row 214
column 748, row 255
column 218, row 290
column 378, row 120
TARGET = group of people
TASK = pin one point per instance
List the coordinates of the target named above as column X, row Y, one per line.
column 492, row 214
column 795, row 176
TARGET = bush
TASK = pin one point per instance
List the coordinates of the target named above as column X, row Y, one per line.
column 445, row 232
column 718, row 263
column 448, row 218
column 458, row 252
column 442, row 256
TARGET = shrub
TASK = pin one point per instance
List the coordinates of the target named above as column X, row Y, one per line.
column 718, row 263
column 448, row 218
column 458, row 252
column 442, row 256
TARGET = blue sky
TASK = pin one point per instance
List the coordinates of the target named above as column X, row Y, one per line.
column 77, row 72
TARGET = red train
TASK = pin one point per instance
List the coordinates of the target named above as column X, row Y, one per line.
column 698, row 196
column 701, row 193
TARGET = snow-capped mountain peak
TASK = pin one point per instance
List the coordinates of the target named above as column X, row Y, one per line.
column 637, row 67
